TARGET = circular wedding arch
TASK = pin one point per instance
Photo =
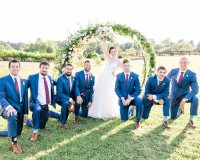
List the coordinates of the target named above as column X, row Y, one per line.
column 76, row 43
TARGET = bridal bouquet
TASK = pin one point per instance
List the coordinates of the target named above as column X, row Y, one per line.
column 107, row 33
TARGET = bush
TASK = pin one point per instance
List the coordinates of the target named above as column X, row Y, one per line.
column 102, row 57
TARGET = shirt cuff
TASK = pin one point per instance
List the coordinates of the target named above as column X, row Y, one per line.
column 130, row 97
column 8, row 107
column 185, row 100
column 154, row 97
column 25, row 114
column 156, row 100
column 70, row 100
column 122, row 98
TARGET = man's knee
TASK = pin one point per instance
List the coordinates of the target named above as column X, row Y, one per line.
column 36, row 109
column 65, row 103
column 166, row 100
column 12, row 117
column 195, row 99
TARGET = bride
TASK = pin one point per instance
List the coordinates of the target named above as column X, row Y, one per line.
column 105, row 103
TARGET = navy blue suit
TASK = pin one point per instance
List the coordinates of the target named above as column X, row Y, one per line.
column 40, row 113
column 133, row 89
column 189, row 81
column 151, row 87
column 64, row 93
column 10, row 96
column 79, row 89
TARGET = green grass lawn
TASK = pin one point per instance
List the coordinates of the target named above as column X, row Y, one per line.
column 112, row 139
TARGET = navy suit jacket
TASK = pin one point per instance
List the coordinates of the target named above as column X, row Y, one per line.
column 133, row 88
column 33, row 84
column 189, row 81
column 80, row 85
column 63, row 88
column 10, row 96
column 151, row 87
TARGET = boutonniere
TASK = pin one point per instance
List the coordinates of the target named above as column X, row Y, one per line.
column 90, row 78
column 186, row 75
column 73, row 79
column 51, row 81
column 23, row 83
column 131, row 78
column 163, row 83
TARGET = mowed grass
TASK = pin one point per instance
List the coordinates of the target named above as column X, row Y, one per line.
column 111, row 139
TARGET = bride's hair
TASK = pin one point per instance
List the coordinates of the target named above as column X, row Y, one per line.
column 111, row 49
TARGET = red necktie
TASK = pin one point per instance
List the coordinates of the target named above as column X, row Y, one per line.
column 180, row 79
column 86, row 82
column 46, row 90
column 159, row 84
column 16, row 85
column 69, row 83
column 127, row 80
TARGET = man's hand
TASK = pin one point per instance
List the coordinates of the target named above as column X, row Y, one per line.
column 79, row 100
column 128, row 101
column 69, row 106
column 25, row 119
column 113, row 74
column 150, row 97
column 124, row 101
column 72, row 102
column 160, row 101
column 89, row 105
column 169, row 97
column 182, row 104
column 10, row 111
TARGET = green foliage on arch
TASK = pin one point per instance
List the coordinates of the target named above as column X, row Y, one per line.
column 76, row 43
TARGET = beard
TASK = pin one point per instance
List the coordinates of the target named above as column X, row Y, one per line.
column 68, row 74
column 87, row 69
column 43, row 73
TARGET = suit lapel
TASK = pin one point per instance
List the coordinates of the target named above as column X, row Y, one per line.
column 36, row 81
column 156, row 83
column 124, row 80
column 72, row 80
column 176, row 74
column 161, row 85
column 90, row 77
column 83, row 76
column 12, row 83
column 130, row 78
column 22, row 86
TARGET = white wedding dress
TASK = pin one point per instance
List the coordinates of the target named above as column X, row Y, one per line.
column 105, row 101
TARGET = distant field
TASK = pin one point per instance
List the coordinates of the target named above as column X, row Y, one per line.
column 112, row 139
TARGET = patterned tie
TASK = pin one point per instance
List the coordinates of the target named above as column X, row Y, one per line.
column 16, row 85
column 46, row 91
column 180, row 79
column 69, row 83
column 127, row 80
column 86, row 82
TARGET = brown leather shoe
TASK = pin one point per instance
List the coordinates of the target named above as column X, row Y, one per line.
column 64, row 126
column 34, row 137
column 192, row 124
column 16, row 149
column 165, row 123
column 182, row 111
column 137, row 125
column 76, row 120
column 71, row 110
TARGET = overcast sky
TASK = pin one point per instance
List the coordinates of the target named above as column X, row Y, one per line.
column 26, row 20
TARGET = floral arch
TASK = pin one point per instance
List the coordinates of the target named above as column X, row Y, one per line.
column 76, row 43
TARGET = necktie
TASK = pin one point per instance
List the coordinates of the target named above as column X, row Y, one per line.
column 127, row 79
column 16, row 85
column 180, row 78
column 46, row 90
column 86, row 82
column 69, row 83
column 159, row 82
column 179, row 81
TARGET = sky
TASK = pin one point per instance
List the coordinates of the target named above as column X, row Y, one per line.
column 26, row 20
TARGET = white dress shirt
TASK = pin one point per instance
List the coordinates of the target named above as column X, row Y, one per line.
column 179, row 74
column 70, row 79
column 128, row 81
column 19, row 85
column 41, row 89
column 86, row 75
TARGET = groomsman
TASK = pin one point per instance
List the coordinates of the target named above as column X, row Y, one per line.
column 42, row 95
column 128, row 88
column 157, row 92
column 14, row 103
column 182, row 80
column 65, row 93
column 84, row 84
